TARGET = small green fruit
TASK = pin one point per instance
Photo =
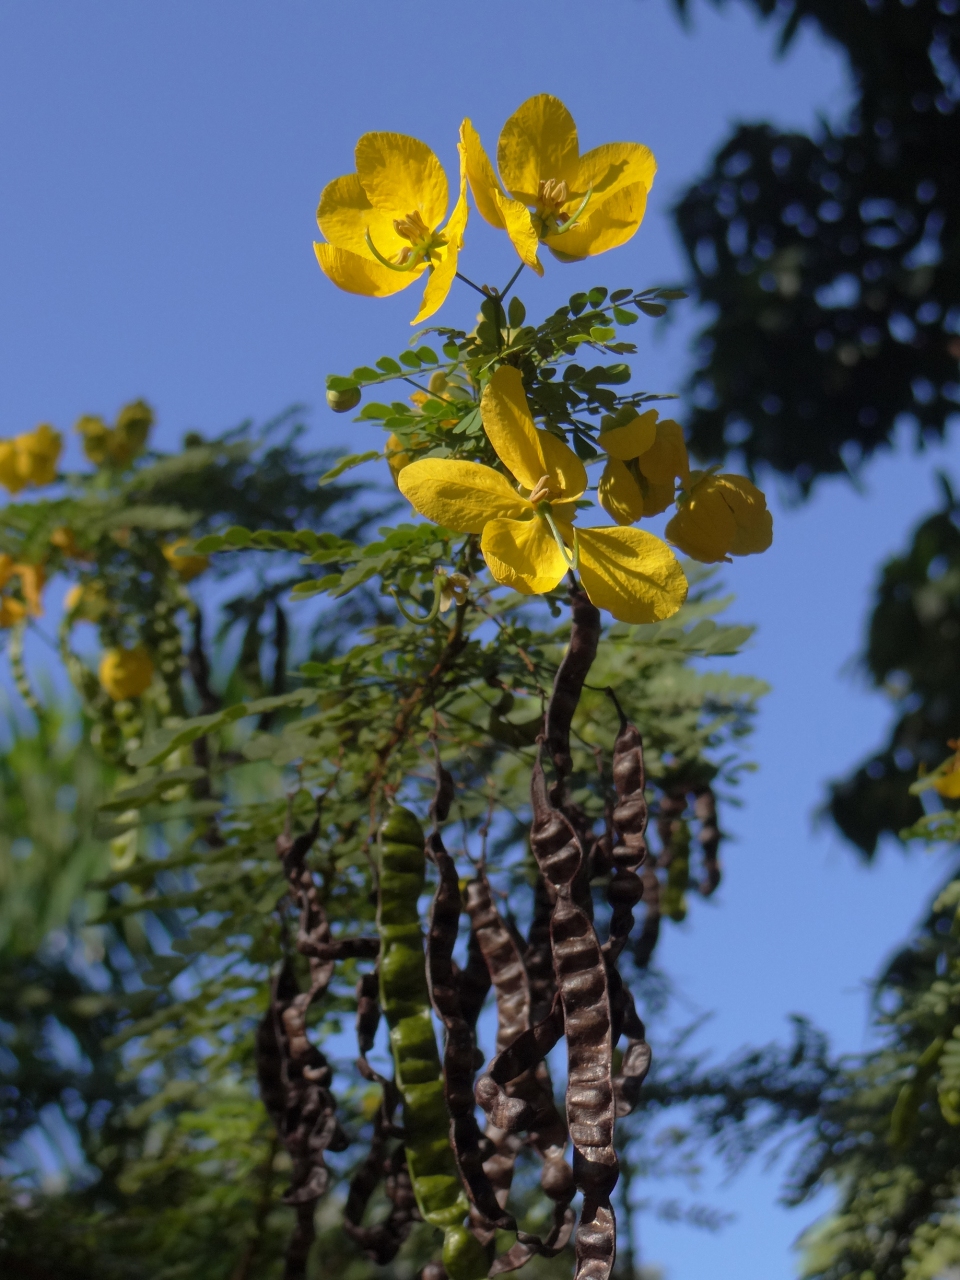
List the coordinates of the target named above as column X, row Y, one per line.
column 343, row 401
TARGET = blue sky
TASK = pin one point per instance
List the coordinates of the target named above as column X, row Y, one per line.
column 161, row 163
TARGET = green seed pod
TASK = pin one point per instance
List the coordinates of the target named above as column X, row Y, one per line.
column 343, row 401
column 405, row 1000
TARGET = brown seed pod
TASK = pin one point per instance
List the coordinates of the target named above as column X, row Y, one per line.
column 459, row 1052
column 584, row 991
column 705, row 811
column 636, row 1057
column 381, row 1241
column 570, row 677
column 501, row 950
column 629, row 853
column 294, row 1075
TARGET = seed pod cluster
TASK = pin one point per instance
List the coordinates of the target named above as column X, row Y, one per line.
column 559, row 984
column 405, row 1000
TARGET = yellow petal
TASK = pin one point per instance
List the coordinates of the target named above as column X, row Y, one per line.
column 10, row 476
column 749, row 506
column 522, row 232
column 397, row 457
column 949, row 784
column 401, row 175
column 461, row 496
column 704, row 527
column 444, row 272
column 523, row 554
column 538, row 143
column 480, row 174
column 606, row 223
column 499, row 210
column 32, row 578
column 619, row 493
column 631, row 573
column 362, row 275
column 563, row 466
column 126, row 673
column 614, row 165
column 509, row 426
column 632, row 438
column 345, row 215
column 667, row 456
column 656, row 497
column 11, row 611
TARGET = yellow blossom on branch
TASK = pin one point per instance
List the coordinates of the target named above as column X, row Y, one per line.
column 185, row 567
column 577, row 205
column 126, row 673
column 720, row 516
column 382, row 224
column 30, row 579
column 30, row 458
column 525, row 519
column 645, row 458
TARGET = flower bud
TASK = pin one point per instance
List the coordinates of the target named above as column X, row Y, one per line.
column 343, row 401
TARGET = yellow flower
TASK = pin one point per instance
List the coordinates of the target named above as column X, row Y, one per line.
column 645, row 457
column 946, row 779
column 120, row 444
column 15, row 609
column 86, row 602
column 185, row 567
column 30, row 458
column 382, row 223
column 720, row 516
column 126, row 673
column 527, row 536
column 64, row 539
column 577, row 205
column 12, row 611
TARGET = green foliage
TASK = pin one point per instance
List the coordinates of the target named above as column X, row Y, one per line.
column 912, row 656
column 221, row 758
column 827, row 259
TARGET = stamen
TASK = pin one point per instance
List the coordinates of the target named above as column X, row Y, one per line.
column 566, row 223
column 543, row 490
column 409, row 258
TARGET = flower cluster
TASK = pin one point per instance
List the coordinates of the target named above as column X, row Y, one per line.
column 470, row 455
column 125, row 671
column 30, row 458
column 525, row 519
column 383, row 225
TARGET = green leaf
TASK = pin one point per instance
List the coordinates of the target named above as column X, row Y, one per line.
column 411, row 360
column 625, row 317
column 210, row 542
column 153, row 789
column 601, row 333
column 613, row 373
column 596, row 296
column 347, row 464
column 578, row 303
column 434, row 408
column 386, row 365
column 618, row 295
column 517, row 313
column 336, row 383
column 451, row 351
column 366, row 374
column 376, row 412
column 428, row 356
column 237, row 536
column 315, row 586
column 673, row 295
column 652, row 308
